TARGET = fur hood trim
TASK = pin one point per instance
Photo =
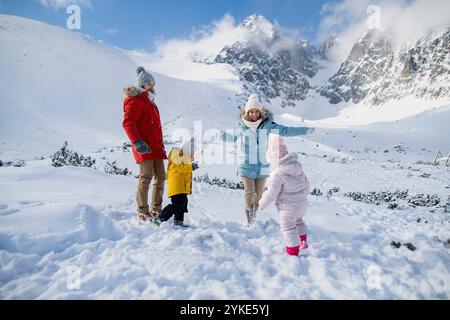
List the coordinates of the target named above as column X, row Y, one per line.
column 132, row 91
column 266, row 115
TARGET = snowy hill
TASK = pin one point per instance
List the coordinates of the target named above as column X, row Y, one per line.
column 60, row 85
column 66, row 86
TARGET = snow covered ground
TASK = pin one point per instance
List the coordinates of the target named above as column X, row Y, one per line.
column 57, row 220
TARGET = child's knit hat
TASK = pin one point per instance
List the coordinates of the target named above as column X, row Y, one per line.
column 277, row 149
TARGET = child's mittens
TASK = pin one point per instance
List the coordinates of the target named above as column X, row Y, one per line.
column 195, row 166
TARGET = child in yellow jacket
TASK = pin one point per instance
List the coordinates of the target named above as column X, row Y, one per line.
column 179, row 183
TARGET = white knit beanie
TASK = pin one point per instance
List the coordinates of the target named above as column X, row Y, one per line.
column 253, row 102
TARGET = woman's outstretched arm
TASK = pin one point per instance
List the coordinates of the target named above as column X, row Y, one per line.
column 288, row 131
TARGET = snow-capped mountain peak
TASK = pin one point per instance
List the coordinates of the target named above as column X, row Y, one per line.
column 257, row 29
column 327, row 45
column 269, row 62
column 376, row 72
column 373, row 43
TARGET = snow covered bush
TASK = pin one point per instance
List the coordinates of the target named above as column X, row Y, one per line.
column 396, row 244
column 392, row 198
column 66, row 157
column 400, row 149
column 376, row 197
column 16, row 163
column 224, row 183
column 424, row 200
column 332, row 191
column 447, row 205
column 316, row 192
column 408, row 245
column 112, row 168
column 392, row 205
column 126, row 147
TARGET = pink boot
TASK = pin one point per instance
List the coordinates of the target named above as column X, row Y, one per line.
column 293, row 251
column 303, row 242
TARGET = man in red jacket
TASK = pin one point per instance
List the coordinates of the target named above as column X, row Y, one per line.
column 142, row 124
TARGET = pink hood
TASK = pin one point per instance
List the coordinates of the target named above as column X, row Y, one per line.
column 287, row 185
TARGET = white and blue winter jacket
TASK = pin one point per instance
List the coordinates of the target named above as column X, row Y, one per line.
column 253, row 144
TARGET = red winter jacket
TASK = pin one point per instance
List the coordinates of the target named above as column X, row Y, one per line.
column 142, row 122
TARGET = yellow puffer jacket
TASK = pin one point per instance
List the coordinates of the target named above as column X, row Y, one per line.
column 179, row 173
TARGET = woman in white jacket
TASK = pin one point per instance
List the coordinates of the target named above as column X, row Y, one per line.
column 289, row 188
column 255, row 125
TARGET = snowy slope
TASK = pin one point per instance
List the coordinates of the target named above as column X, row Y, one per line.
column 91, row 227
column 62, row 86
column 365, row 130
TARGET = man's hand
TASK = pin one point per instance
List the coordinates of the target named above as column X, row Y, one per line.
column 195, row 166
column 141, row 147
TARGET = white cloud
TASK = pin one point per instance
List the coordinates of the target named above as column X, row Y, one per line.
column 112, row 31
column 420, row 17
column 203, row 43
column 208, row 41
column 403, row 20
column 58, row 4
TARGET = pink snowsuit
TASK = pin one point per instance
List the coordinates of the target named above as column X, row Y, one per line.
column 289, row 188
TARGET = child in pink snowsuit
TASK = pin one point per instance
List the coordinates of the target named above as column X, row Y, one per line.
column 289, row 188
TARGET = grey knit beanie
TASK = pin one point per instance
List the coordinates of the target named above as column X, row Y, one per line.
column 144, row 77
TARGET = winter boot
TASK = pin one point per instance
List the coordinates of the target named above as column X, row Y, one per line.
column 180, row 223
column 293, row 251
column 155, row 214
column 151, row 217
column 143, row 216
column 303, row 242
column 255, row 211
column 249, row 214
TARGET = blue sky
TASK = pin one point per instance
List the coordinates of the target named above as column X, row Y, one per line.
column 136, row 24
